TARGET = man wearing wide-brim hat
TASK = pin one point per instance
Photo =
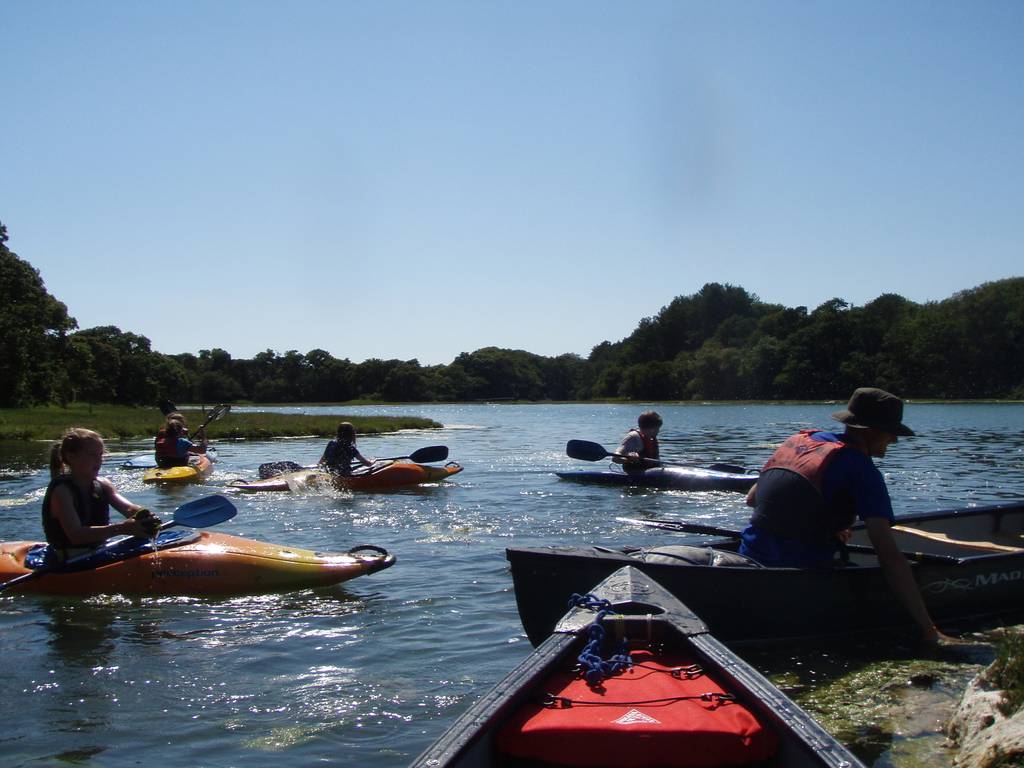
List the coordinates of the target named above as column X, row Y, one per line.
column 818, row 483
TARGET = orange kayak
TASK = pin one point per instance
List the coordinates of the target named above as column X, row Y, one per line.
column 198, row 563
column 400, row 474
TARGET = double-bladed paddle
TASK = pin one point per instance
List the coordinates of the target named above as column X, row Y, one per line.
column 421, row 456
column 167, row 407
column 201, row 513
column 216, row 413
column 683, row 527
column 588, row 451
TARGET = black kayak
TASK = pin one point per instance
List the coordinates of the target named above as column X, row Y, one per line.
column 968, row 564
column 679, row 478
column 631, row 677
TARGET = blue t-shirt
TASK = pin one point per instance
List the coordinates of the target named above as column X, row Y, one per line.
column 852, row 476
column 182, row 446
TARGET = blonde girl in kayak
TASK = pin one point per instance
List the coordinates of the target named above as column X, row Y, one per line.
column 76, row 508
column 341, row 451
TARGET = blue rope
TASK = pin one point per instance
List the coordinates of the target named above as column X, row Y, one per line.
column 593, row 667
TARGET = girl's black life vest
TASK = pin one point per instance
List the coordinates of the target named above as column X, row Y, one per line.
column 339, row 455
column 92, row 508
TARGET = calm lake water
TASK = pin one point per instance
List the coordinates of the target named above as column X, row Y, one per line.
column 371, row 672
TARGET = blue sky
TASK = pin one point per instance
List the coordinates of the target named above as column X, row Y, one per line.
column 419, row 179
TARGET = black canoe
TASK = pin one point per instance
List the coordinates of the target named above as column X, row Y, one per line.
column 968, row 563
column 680, row 478
column 716, row 709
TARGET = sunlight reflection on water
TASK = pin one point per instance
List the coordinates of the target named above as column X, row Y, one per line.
column 373, row 670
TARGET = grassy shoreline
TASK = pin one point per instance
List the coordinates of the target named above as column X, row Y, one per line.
column 123, row 422
column 118, row 421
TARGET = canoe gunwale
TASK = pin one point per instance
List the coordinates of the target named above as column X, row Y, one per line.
column 785, row 604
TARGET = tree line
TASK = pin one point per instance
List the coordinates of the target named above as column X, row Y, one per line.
column 720, row 343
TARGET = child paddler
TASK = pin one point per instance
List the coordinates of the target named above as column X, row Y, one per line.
column 76, row 507
column 172, row 446
column 639, row 447
column 341, row 452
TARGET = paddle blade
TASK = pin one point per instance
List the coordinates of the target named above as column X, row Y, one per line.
column 735, row 469
column 202, row 513
column 683, row 527
column 429, row 454
column 145, row 461
column 219, row 412
column 275, row 468
column 586, row 450
column 215, row 414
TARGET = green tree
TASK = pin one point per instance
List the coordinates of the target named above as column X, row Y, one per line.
column 649, row 381
column 123, row 364
column 717, row 373
column 406, row 382
column 503, row 374
column 33, row 330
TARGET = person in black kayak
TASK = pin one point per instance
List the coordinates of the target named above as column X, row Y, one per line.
column 341, row 451
column 76, row 507
column 639, row 446
column 818, row 483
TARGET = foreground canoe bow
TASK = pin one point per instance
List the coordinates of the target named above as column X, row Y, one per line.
column 686, row 701
column 193, row 563
column 968, row 564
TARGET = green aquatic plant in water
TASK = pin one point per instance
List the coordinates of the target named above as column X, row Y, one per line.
column 1005, row 760
column 1007, row 672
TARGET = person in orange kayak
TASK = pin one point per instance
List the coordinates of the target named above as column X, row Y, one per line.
column 172, row 446
column 76, row 507
column 818, row 483
column 639, row 446
column 341, row 451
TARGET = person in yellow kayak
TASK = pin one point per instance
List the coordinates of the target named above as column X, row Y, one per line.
column 818, row 483
column 639, row 447
column 172, row 445
column 341, row 452
column 76, row 507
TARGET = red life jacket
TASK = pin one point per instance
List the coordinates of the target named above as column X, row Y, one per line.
column 643, row 717
column 166, row 449
column 651, row 449
column 806, row 456
column 797, row 509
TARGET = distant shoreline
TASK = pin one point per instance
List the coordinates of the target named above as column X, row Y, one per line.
column 125, row 422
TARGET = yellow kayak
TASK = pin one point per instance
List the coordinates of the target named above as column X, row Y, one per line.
column 198, row 469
